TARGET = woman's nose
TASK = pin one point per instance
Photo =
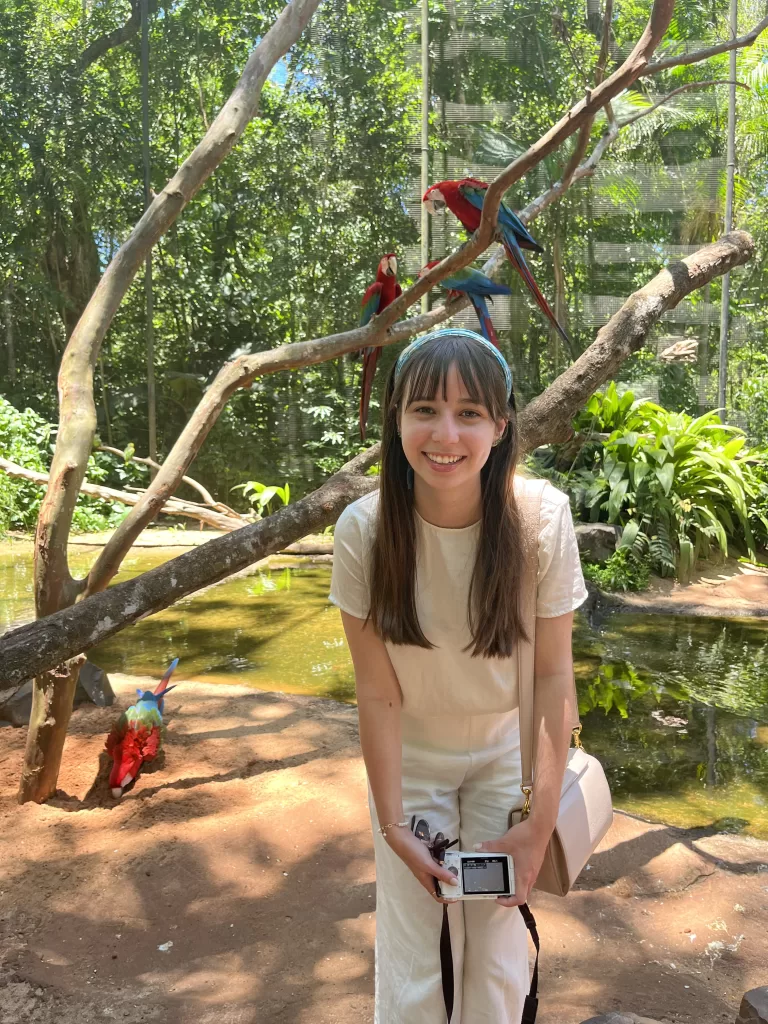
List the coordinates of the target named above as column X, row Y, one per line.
column 445, row 430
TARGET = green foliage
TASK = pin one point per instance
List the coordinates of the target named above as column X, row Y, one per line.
column 680, row 487
column 623, row 571
column 27, row 440
column 260, row 495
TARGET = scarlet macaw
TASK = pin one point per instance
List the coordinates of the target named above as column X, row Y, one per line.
column 136, row 737
column 477, row 287
column 381, row 293
column 465, row 201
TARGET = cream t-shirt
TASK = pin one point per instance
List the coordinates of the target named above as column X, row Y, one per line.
column 447, row 679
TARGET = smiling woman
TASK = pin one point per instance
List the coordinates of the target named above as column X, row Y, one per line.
column 429, row 574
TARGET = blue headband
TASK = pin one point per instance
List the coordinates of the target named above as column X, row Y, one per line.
column 446, row 332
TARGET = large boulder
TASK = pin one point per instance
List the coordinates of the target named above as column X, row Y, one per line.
column 754, row 1007
column 597, row 541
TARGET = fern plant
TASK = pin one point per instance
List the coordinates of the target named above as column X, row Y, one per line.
column 679, row 486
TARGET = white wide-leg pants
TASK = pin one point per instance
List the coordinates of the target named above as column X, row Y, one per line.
column 462, row 774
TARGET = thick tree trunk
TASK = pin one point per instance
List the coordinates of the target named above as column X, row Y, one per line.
column 54, row 585
column 52, row 696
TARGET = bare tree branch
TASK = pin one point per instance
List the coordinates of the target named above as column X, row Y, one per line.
column 621, row 79
column 547, row 419
column 96, row 50
column 107, row 613
column 710, row 51
column 683, row 88
column 38, row 646
column 380, row 330
column 582, row 143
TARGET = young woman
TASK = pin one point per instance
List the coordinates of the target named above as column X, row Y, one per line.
column 427, row 574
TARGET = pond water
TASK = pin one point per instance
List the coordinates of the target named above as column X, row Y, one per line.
column 675, row 708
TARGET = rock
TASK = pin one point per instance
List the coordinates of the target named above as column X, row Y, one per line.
column 597, row 541
column 754, row 1007
column 93, row 685
column 16, row 706
column 674, row 869
column 614, row 1017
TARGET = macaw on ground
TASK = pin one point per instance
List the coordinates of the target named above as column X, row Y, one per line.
column 377, row 297
column 465, row 201
column 136, row 737
column 477, row 287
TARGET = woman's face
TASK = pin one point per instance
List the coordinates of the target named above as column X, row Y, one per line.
column 447, row 440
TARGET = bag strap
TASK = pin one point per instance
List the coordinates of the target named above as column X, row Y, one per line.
column 437, row 847
column 529, row 505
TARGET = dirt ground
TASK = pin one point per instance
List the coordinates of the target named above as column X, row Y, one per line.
column 729, row 588
column 235, row 885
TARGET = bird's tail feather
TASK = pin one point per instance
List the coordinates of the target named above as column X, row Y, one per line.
column 370, row 359
column 484, row 317
column 517, row 260
column 169, row 672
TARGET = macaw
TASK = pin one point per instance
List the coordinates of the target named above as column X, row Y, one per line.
column 477, row 287
column 136, row 737
column 381, row 293
column 465, row 201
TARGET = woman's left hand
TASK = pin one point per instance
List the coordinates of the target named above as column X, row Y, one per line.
column 526, row 845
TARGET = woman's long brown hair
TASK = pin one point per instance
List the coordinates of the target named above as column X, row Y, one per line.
column 494, row 594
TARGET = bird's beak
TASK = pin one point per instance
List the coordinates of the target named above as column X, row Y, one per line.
column 392, row 266
column 434, row 202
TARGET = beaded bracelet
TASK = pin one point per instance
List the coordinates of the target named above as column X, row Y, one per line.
column 393, row 824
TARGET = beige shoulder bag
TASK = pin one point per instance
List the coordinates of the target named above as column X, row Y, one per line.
column 585, row 813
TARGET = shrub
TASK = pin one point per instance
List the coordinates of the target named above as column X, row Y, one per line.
column 679, row 486
column 27, row 440
column 624, row 570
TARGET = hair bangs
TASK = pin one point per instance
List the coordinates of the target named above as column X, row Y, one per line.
column 426, row 372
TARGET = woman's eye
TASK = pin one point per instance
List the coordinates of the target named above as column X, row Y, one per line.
column 471, row 412
column 423, row 408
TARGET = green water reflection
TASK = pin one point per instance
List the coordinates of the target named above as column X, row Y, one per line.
column 675, row 708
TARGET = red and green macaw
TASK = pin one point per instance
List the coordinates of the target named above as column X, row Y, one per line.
column 465, row 201
column 477, row 287
column 381, row 293
column 136, row 737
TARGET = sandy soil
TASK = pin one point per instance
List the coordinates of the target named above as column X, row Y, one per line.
column 235, row 885
column 730, row 588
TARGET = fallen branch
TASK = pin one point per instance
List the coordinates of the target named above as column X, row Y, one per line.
column 230, row 520
column 194, row 484
column 38, row 646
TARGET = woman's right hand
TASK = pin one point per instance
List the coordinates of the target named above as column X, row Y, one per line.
column 416, row 856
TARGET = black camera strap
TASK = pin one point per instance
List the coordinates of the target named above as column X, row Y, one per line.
column 437, row 848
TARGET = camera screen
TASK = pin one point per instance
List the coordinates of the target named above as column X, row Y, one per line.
column 485, row 875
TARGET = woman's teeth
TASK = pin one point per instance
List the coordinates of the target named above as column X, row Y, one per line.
column 444, row 460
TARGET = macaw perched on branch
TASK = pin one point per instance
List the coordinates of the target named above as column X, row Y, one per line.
column 381, row 293
column 477, row 287
column 465, row 201
column 137, row 736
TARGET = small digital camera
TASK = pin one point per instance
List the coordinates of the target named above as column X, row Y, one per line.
column 481, row 876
